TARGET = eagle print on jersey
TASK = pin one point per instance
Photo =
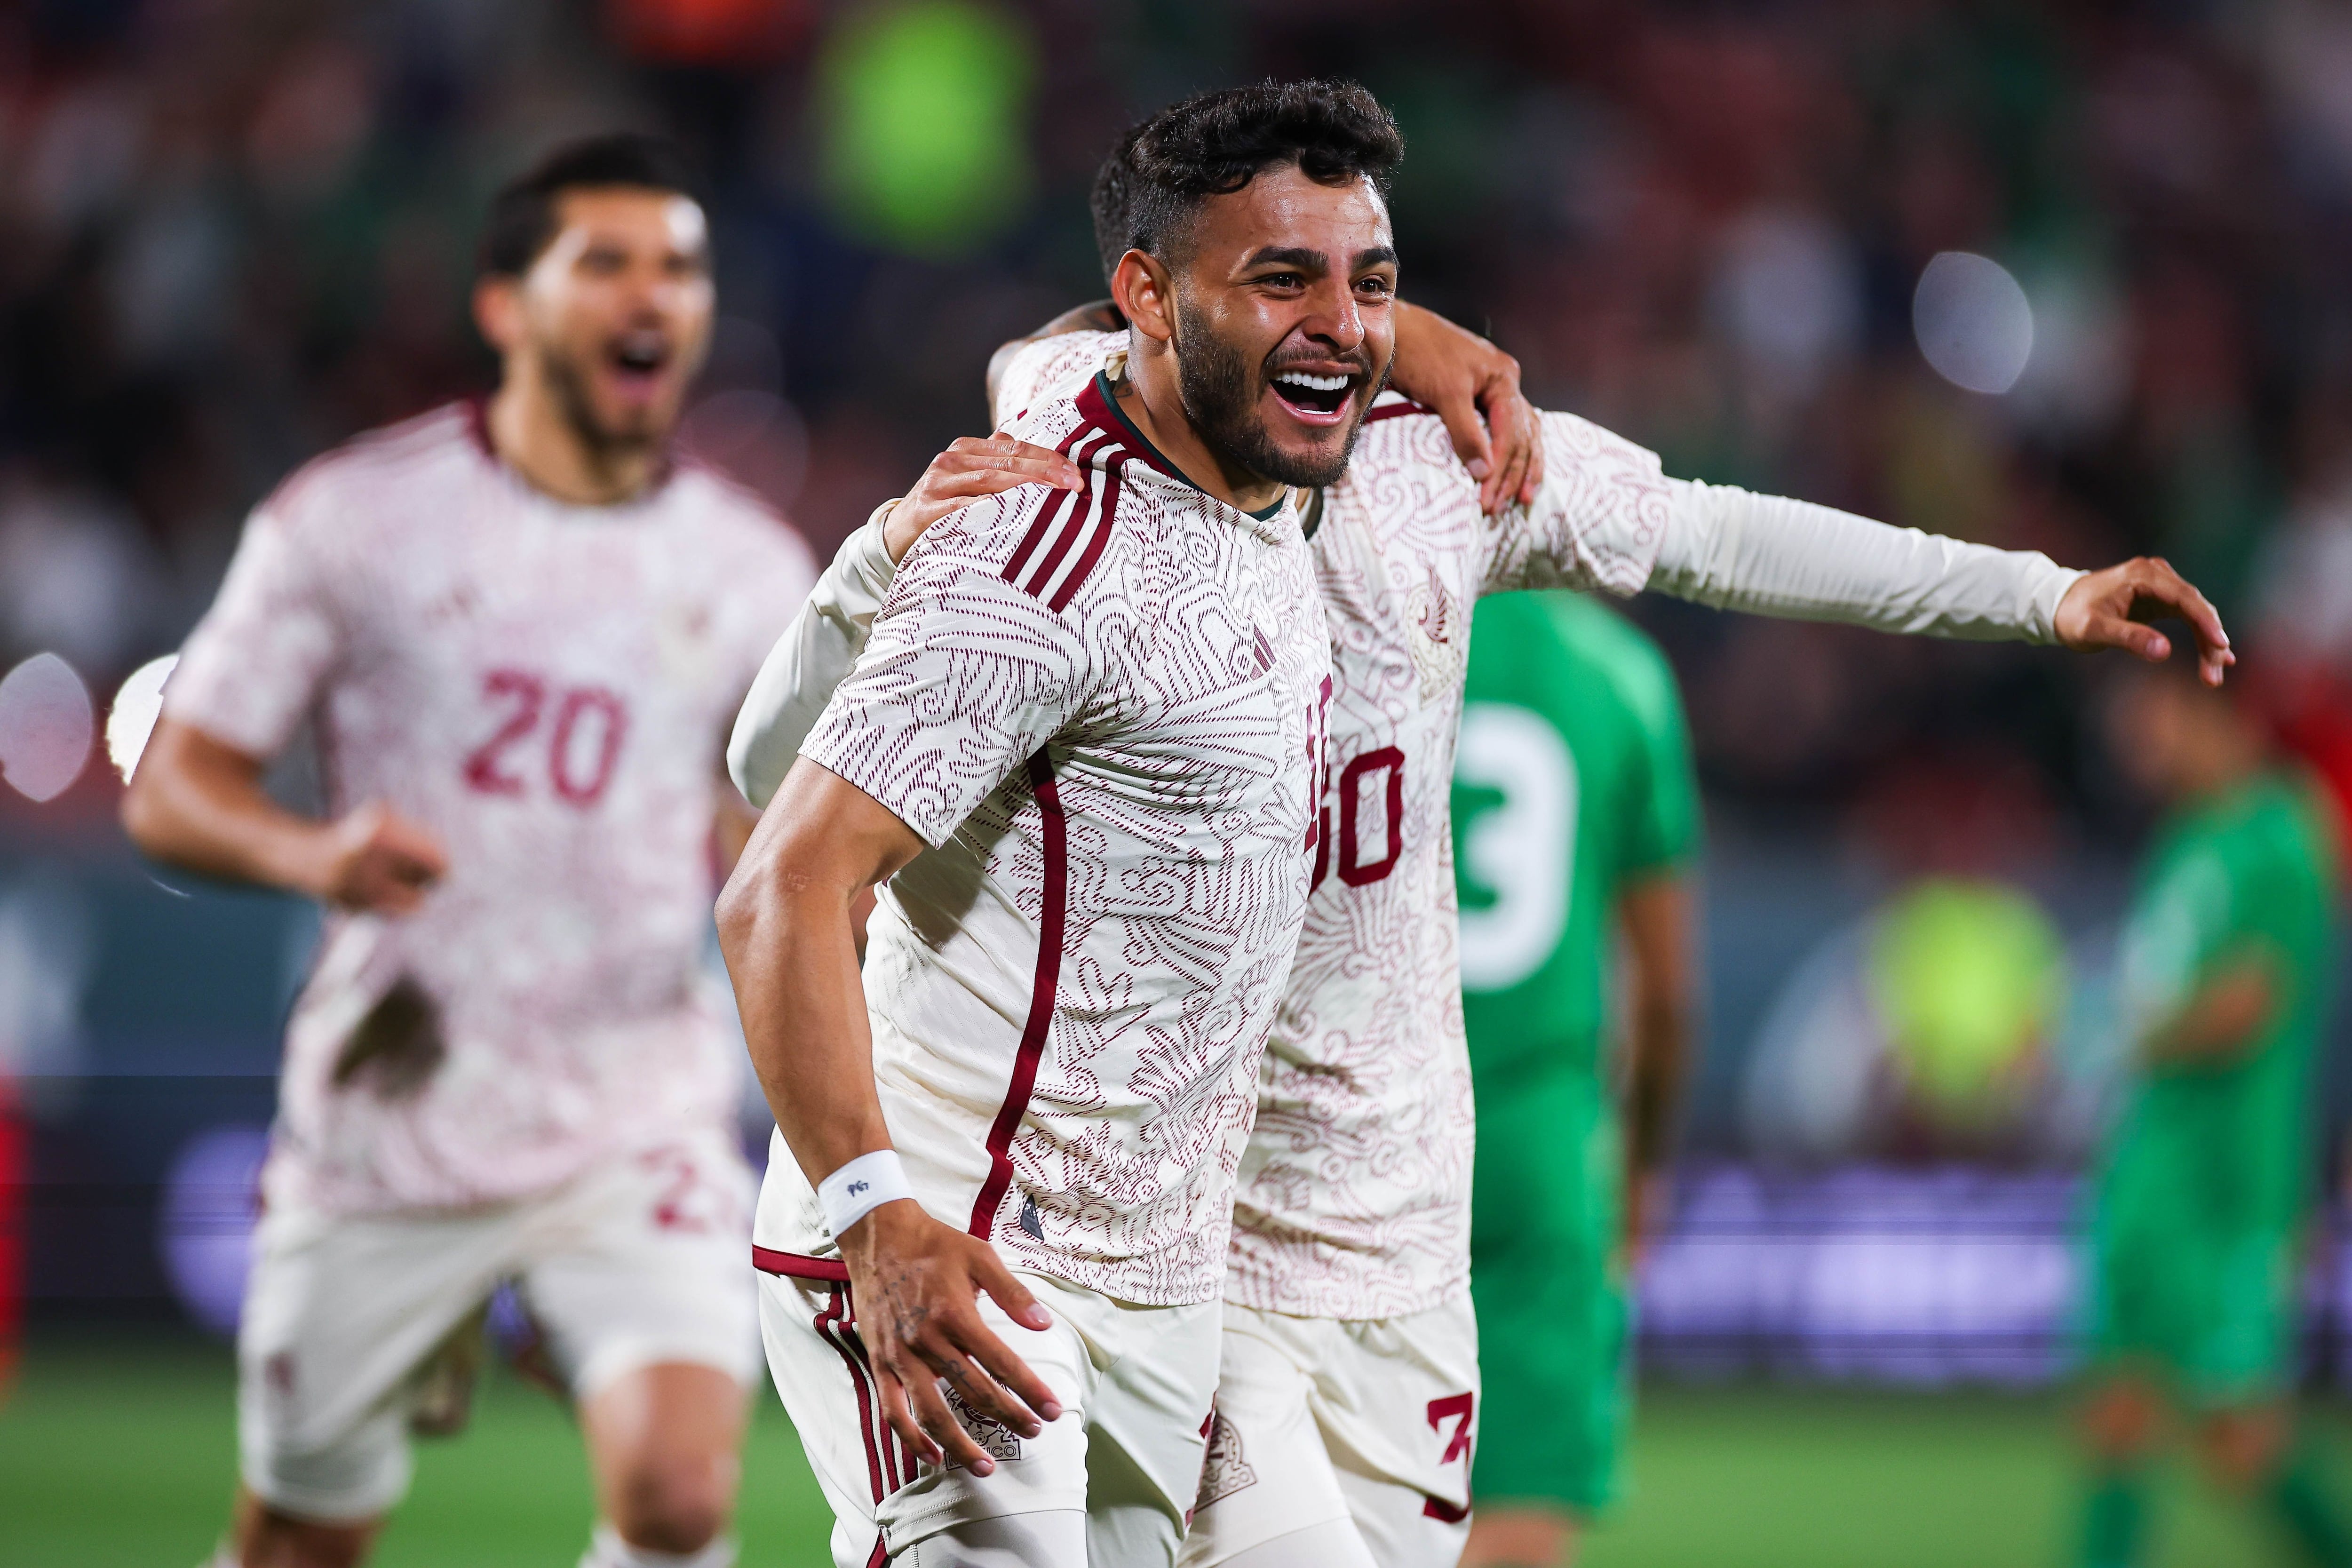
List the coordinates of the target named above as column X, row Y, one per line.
column 1354, row 1196
column 1103, row 708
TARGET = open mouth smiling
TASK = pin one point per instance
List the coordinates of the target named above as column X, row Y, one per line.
column 1315, row 399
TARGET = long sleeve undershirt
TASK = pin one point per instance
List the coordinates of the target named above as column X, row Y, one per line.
column 1769, row 556
column 1725, row 548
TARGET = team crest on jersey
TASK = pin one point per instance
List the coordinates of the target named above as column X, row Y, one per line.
column 1436, row 625
column 997, row 1440
column 1223, row 1471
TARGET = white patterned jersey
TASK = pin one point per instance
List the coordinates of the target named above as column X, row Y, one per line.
column 1354, row 1194
column 546, row 688
column 1102, row 709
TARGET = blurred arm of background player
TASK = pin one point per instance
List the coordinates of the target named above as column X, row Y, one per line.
column 2229, row 1013
column 196, row 803
column 1657, row 917
column 784, row 925
column 1470, row 384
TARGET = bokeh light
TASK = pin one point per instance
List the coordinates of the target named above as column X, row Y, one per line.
column 137, row 705
column 1966, row 977
column 210, row 1200
column 1973, row 322
column 925, row 107
column 47, row 724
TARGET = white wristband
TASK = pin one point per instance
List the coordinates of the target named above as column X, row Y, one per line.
column 860, row 1187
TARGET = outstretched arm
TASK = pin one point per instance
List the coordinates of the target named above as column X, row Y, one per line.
column 1771, row 555
column 784, row 924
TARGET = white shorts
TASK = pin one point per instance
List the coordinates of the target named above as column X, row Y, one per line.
column 1135, row 1384
column 636, row 1263
column 1320, row 1419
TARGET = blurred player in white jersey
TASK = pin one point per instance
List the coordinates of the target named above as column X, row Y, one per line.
column 520, row 628
column 1346, row 1409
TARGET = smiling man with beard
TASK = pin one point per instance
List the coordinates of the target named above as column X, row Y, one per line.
column 521, row 626
column 1080, row 753
column 1349, row 1406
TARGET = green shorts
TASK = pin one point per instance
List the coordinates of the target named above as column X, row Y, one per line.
column 2210, row 1309
column 1553, row 1315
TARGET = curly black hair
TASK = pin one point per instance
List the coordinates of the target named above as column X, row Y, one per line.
column 1215, row 143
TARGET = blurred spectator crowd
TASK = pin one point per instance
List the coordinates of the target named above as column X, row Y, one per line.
column 235, row 231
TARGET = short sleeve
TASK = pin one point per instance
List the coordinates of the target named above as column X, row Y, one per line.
column 1665, row 816
column 254, row 665
column 1051, row 367
column 963, row 677
column 1597, row 522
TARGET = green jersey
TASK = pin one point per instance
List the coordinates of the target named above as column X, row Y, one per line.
column 1574, row 776
column 2196, row 1244
column 2250, row 874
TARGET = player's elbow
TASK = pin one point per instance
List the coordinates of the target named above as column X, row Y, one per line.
column 146, row 811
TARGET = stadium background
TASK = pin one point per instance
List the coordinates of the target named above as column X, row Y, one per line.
column 235, row 231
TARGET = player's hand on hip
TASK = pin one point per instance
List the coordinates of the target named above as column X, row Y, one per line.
column 2110, row 609
column 973, row 466
column 374, row 859
column 1474, row 388
column 916, row 1284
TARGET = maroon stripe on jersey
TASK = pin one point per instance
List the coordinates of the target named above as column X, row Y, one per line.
column 1444, row 1511
column 1046, row 516
column 1075, row 522
column 1397, row 410
column 799, row 1265
column 1104, row 522
column 881, row 1557
column 1097, row 412
column 883, row 1434
column 828, row 1329
column 1041, row 1001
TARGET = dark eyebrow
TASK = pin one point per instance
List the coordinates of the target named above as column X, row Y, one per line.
column 1375, row 257
column 1294, row 256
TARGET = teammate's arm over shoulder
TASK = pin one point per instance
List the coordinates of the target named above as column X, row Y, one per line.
column 1099, row 316
column 2228, row 1014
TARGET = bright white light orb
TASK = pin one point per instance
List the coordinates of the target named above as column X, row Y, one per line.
column 1972, row 321
column 137, row 706
column 47, row 724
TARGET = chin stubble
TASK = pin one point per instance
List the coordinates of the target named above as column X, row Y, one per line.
column 1219, row 391
column 569, row 388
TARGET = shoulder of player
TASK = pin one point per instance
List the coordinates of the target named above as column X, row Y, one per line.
column 734, row 514
column 355, row 473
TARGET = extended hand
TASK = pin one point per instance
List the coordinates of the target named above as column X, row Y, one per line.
column 1474, row 388
column 917, row 1286
column 971, row 468
column 374, row 859
column 2107, row 609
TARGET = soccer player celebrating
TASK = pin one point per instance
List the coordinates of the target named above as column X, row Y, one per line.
column 1574, row 809
column 1346, row 1410
column 521, row 626
column 1081, row 747
column 2197, row 1241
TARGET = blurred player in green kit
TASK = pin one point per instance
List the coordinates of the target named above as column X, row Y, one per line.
column 1575, row 815
column 2196, row 1246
